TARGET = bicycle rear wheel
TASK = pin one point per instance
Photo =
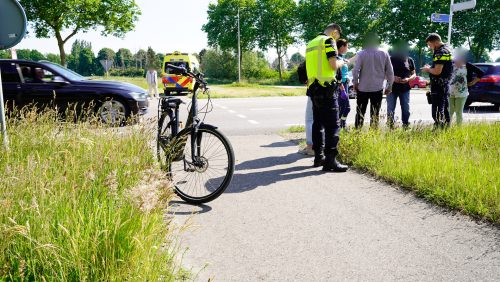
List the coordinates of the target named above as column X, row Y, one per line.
column 163, row 138
column 207, row 177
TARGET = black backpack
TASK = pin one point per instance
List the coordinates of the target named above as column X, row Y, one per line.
column 302, row 72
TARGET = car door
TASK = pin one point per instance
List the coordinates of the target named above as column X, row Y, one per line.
column 11, row 84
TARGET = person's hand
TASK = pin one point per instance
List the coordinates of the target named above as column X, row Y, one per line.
column 397, row 79
column 356, row 88
column 426, row 68
column 387, row 91
column 404, row 81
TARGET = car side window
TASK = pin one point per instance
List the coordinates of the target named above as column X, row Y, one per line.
column 10, row 73
column 36, row 74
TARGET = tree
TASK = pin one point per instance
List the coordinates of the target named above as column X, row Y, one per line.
column 276, row 26
column 476, row 28
column 123, row 58
column 152, row 59
column 114, row 17
column 222, row 25
column 27, row 54
column 4, row 54
column 81, row 59
column 103, row 54
column 220, row 64
column 394, row 24
column 140, row 59
column 295, row 60
column 53, row 58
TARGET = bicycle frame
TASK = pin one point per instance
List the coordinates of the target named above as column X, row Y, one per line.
column 192, row 122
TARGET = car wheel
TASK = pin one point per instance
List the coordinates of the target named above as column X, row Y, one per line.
column 113, row 112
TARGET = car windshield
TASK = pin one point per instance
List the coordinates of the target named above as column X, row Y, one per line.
column 69, row 74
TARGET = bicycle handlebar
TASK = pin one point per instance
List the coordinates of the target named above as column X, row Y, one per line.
column 184, row 71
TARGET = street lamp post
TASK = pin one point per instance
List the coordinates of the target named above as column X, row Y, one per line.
column 239, row 48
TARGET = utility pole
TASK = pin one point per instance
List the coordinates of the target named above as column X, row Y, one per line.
column 239, row 49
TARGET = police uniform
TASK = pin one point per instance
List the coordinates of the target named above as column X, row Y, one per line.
column 323, row 90
column 439, row 86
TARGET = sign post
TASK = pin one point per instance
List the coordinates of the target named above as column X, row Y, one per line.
column 12, row 31
column 106, row 64
column 450, row 22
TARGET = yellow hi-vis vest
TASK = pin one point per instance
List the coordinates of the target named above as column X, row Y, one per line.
column 317, row 65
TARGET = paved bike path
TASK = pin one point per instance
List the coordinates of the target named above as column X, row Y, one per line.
column 282, row 220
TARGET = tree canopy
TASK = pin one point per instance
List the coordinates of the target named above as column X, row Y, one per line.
column 52, row 19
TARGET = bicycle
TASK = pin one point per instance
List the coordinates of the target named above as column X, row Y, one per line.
column 199, row 159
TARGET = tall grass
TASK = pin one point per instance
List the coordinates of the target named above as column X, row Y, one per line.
column 68, row 207
column 458, row 167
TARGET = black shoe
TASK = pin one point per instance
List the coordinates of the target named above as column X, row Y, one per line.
column 331, row 164
column 319, row 161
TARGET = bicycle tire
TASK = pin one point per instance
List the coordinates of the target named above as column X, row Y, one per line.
column 162, row 140
column 182, row 190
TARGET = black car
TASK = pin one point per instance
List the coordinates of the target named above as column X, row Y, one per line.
column 488, row 88
column 47, row 84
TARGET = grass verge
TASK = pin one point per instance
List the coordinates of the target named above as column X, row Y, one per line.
column 233, row 90
column 74, row 209
column 458, row 167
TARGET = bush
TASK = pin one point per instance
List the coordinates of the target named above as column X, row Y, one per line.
column 129, row 72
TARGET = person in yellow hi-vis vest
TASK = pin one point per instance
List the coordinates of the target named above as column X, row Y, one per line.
column 322, row 87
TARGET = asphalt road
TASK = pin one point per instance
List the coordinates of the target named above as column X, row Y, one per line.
column 249, row 116
column 281, row 220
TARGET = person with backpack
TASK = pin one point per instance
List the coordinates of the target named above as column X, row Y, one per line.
column 404, row 73
column 323, row 88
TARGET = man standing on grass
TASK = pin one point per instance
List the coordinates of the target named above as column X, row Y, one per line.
column 321, row 66
column 439, row 73
column 404, row 72
column 373, row 66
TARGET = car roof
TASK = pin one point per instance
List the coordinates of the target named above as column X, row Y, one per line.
column 22, row 61
column 488, row 64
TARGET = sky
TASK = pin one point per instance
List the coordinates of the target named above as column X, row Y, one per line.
column 160, row 26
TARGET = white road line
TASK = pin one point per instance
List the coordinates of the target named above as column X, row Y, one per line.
column 242, row 116
column 253, row 121
column 231, row 111
column 266, row 109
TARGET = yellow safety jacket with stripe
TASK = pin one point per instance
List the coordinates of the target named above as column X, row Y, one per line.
column 317, row 65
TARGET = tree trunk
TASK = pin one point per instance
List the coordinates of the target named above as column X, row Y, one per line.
column 279, row 63
column 60, row 44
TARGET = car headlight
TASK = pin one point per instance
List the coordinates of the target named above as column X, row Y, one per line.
column 139, row 95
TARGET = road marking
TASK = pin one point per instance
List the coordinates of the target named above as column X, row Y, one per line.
column 266, row 109
column 242, row 116
column 223, row 107
column 253, row 121
column 231, row 111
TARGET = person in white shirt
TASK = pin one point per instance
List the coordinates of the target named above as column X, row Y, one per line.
column 152, row 79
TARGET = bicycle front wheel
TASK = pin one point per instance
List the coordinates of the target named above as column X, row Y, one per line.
column 207, row 176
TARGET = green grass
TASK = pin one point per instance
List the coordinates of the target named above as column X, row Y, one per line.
column 296, row 129
column 233, row 90
column 75, row 204
column 458, row 167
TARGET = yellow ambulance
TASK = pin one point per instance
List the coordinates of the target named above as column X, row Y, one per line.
column 173, row 81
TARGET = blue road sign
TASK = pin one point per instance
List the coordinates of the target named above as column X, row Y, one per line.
column 440, row 18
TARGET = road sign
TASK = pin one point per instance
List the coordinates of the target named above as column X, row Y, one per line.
column 440, row 18
column 12, row 31
column 106, row 64
column 463, row 6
